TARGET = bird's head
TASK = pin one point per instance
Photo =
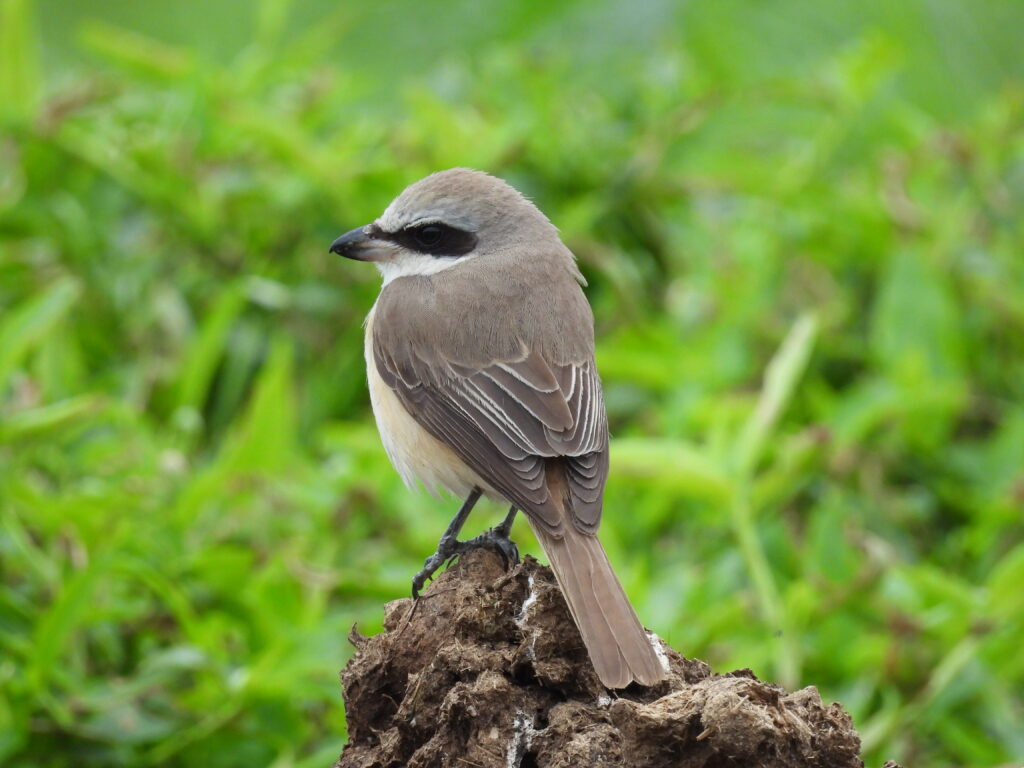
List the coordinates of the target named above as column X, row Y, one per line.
column 445, row 219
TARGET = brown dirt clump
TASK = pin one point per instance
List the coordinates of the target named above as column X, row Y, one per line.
column 488, row 669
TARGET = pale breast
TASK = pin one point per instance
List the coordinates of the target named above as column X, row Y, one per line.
column 414, row 452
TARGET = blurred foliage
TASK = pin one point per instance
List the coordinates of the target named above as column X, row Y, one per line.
column 802, row 228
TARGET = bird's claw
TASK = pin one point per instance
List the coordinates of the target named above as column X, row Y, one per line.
column 498, row 540
column 448, row 550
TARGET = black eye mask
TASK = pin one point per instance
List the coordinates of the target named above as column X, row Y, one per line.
column 434, row 239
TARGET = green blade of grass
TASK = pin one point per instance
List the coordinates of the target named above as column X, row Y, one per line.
column 780, row 381
column 20, row 81
column 30, row 322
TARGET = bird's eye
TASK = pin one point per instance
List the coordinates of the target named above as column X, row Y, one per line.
column 429, row 235
column 435, row 239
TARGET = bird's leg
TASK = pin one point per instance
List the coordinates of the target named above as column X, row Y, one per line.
column 505, row 528
column 498, row 538
column 449, row 545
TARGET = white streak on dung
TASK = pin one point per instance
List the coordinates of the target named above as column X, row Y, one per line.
column 524, row 615
column 522, row 737
column 531, row 598
column 659, row 650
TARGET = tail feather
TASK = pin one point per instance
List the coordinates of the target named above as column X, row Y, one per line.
column 619, row 647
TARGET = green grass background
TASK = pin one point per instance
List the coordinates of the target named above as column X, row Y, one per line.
column 801, row 223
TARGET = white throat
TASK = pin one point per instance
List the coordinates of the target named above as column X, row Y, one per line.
column 408, row 264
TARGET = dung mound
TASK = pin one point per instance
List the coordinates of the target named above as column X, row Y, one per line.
column 488, row 669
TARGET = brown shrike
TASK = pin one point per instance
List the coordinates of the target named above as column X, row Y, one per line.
column 480, row 359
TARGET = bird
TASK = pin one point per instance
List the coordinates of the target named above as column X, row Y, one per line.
column 480, row 366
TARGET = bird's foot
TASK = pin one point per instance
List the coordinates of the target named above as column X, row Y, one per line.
column 449, row 549
column 497, row 539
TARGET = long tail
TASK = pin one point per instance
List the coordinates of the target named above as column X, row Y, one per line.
column 618, row 645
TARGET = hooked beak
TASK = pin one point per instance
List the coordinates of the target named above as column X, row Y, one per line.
column 361, row 245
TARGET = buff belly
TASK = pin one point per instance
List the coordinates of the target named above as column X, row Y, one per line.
column 414, row 452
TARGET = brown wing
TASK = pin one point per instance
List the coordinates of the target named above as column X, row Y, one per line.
column 508, row 420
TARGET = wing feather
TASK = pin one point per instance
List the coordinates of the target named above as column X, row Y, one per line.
column 507, row 418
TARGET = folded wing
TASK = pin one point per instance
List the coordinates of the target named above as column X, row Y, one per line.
column 508, row 419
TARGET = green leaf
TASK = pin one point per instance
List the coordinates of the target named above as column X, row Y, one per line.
column 30, row 322
column 20, row 81
column 140, row 53
column 265, row 437
column 206, row 348
column 916, row 329
column 60, row 415
column 59, row 623
column 670, row 465
column 780, row 380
